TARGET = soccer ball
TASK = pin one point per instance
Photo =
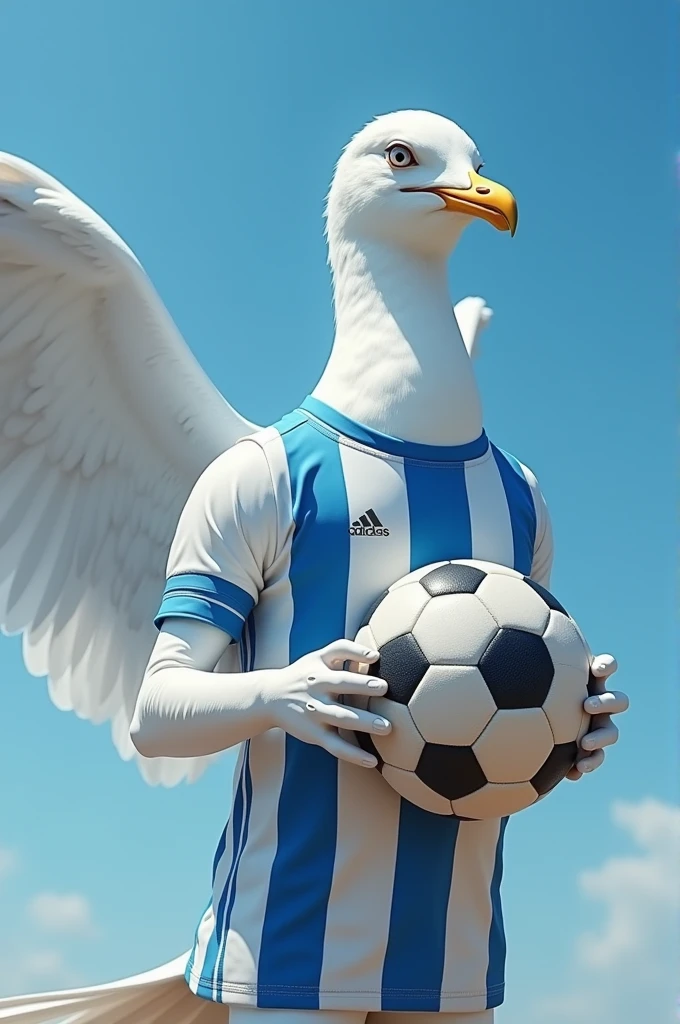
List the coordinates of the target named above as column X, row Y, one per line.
column 487, row 675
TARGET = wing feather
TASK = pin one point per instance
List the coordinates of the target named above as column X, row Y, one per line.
column 106, row 421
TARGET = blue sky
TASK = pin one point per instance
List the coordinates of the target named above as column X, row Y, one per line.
column 206, row 135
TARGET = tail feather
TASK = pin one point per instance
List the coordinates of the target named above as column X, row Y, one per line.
column 160, row 996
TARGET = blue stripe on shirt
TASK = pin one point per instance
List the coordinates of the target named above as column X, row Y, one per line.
column 496, row 970
column 207, row 598
column 292, row 945
column 229, row 894
column 521, row 507
column 439, row 529
column 416, row 945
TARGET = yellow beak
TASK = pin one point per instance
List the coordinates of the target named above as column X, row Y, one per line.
column 482, row 198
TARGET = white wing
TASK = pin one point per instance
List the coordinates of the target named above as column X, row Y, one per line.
column 106, row 421
column 160, row 996
column 473, row 315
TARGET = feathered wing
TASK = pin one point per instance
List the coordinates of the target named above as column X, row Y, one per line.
column 472, row 315
column 160, row 996
column 106, row 421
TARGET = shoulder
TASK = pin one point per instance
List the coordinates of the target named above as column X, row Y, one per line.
column 513, row 465
column 236, row 487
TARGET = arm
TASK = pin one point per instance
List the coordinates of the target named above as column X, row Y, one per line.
column 185, row 709
column 225, row 545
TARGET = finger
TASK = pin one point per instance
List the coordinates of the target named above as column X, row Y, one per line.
column 611, row 702
column 585, row 765
column 335, row 745
column 342, row 717
column 603, row 665
column 574, row 775
column 353, row 682
column 336, row 654
column 603, row 737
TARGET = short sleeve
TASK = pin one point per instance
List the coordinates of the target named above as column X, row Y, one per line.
column 225, row 540
column 541, row 565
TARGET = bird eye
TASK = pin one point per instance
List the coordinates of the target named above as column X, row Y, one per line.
column 400, row 156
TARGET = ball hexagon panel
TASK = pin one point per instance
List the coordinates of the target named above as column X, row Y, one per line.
column 490, row 567
column 402, row 665
column 443, row 646
column 496, row 801
column 547, row 597
column 518, row 669
column 561, row 758
column 451, row 704
column 452, row 578
column 565, row 643
column 513, row 604
column 408, row 785
column 366, row 638
column 403, row 745
column 365, row 741
column 514, row 745
column 398, row 613
column 367, row 617
column 564, row 704
column 451, row 772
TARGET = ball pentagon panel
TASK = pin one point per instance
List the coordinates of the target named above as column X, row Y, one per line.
column 451, row 772
column 518, row 669
column 452, row 578
column 402, row 665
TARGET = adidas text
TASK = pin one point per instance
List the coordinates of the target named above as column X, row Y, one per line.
column 368, row 525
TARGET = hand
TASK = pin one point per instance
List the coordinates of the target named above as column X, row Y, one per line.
column 303, row 699
column 601, row 704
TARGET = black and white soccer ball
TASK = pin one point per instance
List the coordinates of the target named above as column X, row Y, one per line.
column 487, row 674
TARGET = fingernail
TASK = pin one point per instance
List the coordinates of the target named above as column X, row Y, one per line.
column 376, row 684
column 371, row 654
column 593, row 703
column 381, row 724
column 368, row 762
column 583, row 767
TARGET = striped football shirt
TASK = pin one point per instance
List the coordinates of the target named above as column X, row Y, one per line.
column 329, row 891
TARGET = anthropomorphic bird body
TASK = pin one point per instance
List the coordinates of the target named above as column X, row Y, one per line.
column 331, row 895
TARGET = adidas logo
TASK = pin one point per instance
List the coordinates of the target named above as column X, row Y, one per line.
column 368, row 525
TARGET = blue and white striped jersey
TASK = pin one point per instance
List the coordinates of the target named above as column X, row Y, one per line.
column 329, row 890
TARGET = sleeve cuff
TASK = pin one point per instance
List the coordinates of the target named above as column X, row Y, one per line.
column 208, row 598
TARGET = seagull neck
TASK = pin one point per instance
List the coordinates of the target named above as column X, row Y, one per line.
column 398, row 363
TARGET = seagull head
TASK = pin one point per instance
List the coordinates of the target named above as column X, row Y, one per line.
column 412, row 180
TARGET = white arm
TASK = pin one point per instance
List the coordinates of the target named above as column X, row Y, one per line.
column 184, row 708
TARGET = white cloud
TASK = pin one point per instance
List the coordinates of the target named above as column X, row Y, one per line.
column 626, row 972
column 8, row 862
column 66, row 913
column 43, row 963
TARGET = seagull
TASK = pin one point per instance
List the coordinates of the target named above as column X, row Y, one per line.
column 107, row 421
